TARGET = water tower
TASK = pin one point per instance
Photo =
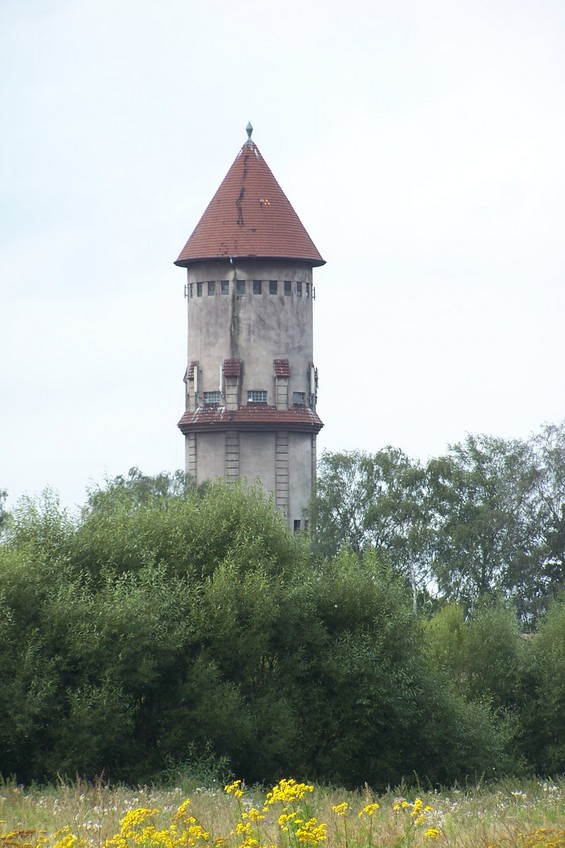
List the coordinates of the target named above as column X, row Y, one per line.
column 251, row 381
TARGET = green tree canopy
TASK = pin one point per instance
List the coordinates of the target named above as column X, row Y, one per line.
column 163, row 624
column 486, row 519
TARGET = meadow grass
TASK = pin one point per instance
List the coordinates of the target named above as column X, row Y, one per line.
column 524, row 814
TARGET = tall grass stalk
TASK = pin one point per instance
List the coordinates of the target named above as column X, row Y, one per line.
column 527, row 814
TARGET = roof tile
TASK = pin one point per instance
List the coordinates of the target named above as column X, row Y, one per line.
column 282, row 368
column 252, row 417
column 232, row 367
column 249, row 216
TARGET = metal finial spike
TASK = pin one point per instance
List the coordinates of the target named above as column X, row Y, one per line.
column 249, row 130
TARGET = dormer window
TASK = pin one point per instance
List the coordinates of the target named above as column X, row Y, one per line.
column 256, row 396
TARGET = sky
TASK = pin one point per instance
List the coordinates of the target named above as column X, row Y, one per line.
column 422, row 144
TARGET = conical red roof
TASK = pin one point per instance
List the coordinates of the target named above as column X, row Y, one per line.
column 249, row 216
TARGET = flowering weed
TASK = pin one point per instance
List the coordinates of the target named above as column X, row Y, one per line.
column 290, row 815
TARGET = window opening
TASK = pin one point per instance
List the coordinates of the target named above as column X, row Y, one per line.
column 212, row 398
column 307, row 289
column 225, row 286
column 240, row 286
column 257, row 287
column 273, row 287
column 256, row 396
column 211, row 287
column 199, row 289
column 299, row 398
column 287, row 287
column 296, row 525
column 299, row 289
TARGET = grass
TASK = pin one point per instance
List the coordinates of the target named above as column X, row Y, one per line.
column 527, row 814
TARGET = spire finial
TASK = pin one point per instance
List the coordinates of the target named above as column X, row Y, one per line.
column 249, row 130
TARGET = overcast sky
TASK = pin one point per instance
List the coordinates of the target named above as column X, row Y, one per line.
column 422, row 144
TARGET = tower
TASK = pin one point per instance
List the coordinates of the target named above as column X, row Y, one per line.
column 251, row 382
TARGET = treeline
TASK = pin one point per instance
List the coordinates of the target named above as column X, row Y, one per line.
column 167, row 626
column 486, row 520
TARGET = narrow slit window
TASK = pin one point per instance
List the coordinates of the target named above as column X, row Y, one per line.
column 299, row 289
column 287, row 287
column 297, row 524
column 225, row 286
column 257, row 286
column 307, row 289
column 198, row 289
column 211, row 287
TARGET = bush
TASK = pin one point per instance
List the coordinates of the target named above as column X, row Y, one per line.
column 167, row 626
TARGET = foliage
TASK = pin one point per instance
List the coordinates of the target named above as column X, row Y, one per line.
column 282, row 817
column 291, row 814
column 482, row 654
column 548, row 515
column 477, row 503
column 542, row 736
column 3, row 514
column 166, row 625
column 485, row 520
column 373, row 501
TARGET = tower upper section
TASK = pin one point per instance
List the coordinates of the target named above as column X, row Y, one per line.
column 249, row 217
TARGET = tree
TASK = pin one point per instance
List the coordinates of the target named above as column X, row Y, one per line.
column 373, row 501
column 3, row 514
column 478, row 505
column 482, row 653
column 543, row 722
column 154, row 629
column 548, row 513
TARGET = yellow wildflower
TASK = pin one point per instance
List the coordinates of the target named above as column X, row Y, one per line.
column 150, row 835
column 341, row 809
column 432, row 833
column 254, row 815
column 284, row 820
column 235, row 788
column 311, row 832
column 134, row 818
column 66, row 839
column 369, row 809
column 417, row 807
column 288, row 791
column 243, row 829
column 182, row 810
